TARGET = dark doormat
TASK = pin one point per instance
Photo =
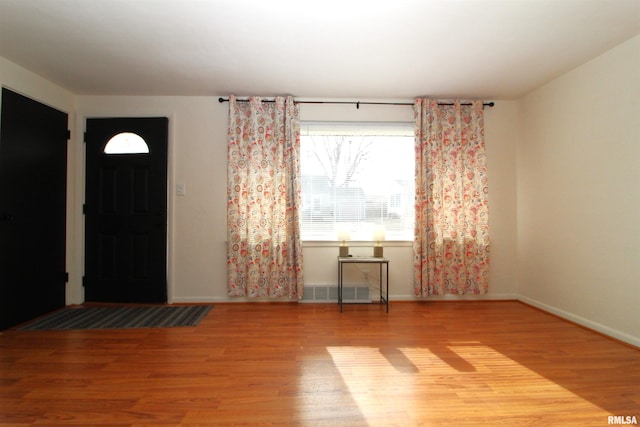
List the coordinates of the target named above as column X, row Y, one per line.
column 120, row 317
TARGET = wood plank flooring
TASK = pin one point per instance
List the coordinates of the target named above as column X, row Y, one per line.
column 423, row 363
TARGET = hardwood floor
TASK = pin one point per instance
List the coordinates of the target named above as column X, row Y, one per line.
column 468, row 363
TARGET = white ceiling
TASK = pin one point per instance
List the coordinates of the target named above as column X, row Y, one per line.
column 371, row 49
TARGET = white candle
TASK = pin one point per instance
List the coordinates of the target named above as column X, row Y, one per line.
column 344, row 235
column 378, row 234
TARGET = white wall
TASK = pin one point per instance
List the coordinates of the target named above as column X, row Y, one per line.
column 578, row 205
column 25, row 82
column 198, row 129
column 197, row 159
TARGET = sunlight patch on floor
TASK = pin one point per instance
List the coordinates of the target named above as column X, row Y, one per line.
column 382, row 382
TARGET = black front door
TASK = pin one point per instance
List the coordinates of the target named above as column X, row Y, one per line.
column 33, row 176
column 126, row 210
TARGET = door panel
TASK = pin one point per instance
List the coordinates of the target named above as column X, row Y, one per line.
column 33, row 173
column 126, row 213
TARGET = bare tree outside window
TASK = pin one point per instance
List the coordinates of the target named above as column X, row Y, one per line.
column 340, row 157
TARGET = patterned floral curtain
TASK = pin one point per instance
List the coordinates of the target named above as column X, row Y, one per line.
column 451, row 245
column 264, row 254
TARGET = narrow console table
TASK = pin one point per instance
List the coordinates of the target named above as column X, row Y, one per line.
column 365, row 260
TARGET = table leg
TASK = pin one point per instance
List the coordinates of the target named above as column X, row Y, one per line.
column 380, row 283
column 387, row 295
column 340, row 286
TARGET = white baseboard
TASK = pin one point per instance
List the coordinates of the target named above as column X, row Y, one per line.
column 211, row 300
column 406, row 297
column 486, row 297
column 635, row 341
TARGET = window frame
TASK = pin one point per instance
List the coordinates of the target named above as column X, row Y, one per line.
column 363, row 129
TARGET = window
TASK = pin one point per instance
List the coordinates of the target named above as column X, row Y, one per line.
column 357, row 177
column 126, row 143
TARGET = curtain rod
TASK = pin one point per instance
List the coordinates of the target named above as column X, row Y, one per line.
column 359, row 103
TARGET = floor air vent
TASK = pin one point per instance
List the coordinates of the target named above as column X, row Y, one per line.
column 329, row 293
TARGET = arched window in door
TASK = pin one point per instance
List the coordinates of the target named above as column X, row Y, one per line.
column 126, row 143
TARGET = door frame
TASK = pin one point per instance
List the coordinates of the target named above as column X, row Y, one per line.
column 81, row 163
